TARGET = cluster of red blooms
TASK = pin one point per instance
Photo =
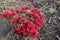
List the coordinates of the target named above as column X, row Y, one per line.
column 28, row 26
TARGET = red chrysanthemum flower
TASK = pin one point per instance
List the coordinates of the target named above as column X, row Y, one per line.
column 36, row 27
column 13, row 12
column 13, row 21
column 9, row 15
column 26, row 7
column 26, row 21
column 21, row 11
column 28, row 14
column 35, row 10
column 32, row 19
column 18, row 28
column 41, row 16
column 6, row 14
column 34, row 34
column 18, row 18
column 17, row 10
column 30, row 28
column 25, row 32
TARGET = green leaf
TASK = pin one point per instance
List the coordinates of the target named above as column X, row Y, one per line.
column 27, row 11
column 24, row 15
column 51, row 10
column 0, row 7
column 25, row 38
column 2, row 38
column 9, row 35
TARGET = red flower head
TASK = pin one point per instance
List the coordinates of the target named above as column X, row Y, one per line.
column 37, row 16
column 21, row 11
column 18, row 18
column 41, row 16
column 13, row 21
column 33, row 14
column 26, row 21
column 25, row 32
column 13, row 12
column 41, row 21
column 32, row 19
column 36, row 27
column 38, row 23
column 17, row 11
column 9, row 15
column 23, row 19
column 6, row 14
column 34, row 34
column 35, row 10
column 18, row 28
column 26, row 7
column 28, row 14
column 30, row 28
column 30, row 22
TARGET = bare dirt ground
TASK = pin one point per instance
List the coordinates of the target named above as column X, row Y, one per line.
column 51, row 28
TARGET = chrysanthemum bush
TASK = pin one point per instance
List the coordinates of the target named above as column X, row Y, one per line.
column 27, row 20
